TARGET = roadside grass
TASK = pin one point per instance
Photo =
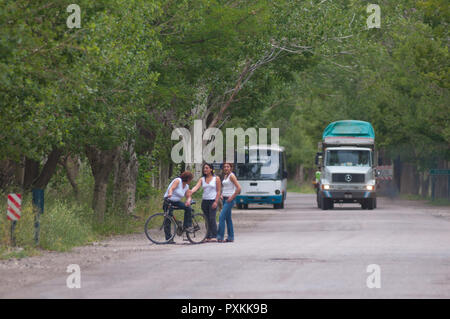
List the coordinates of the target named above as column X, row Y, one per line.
column 304, row 188
column 69, row 221
column 411, row 197
column 428, row 199
column 67, row 224
column 440, row 202
column 18, row 252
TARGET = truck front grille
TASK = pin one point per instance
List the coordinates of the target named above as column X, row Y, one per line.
column 347, row 178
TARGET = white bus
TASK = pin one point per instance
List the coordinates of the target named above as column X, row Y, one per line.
column 262, row 183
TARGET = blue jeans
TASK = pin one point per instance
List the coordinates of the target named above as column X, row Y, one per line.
column 187, row 222
column 210, row 215
column 225, row 216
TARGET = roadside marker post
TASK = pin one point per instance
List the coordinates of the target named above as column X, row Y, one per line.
column 38, row 208
column 13, row 213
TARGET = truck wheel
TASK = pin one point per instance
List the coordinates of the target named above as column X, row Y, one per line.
column 239, row 206
column 371, row 203
column 364, row 204
column 245, row 206
column 323, row 203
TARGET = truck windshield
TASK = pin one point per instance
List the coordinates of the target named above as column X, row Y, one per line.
column 348, row 158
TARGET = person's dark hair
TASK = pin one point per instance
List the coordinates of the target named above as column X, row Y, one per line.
column 186, row 176
column 210, row 166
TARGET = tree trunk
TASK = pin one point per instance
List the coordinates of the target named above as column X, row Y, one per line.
column 7, row 172
column 425, row 184
column 72, row 168
column 20, row 172
column 125, row 178
column 299, row 175
column 409, row 179
column 48, row 170
column 101, row 167
column 441, row 184
column 31, row 173
column 32, row 177
column 397, row 174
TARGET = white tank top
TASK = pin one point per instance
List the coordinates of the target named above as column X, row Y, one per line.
column 179, row 192
column 228, row 188
column 209, row 189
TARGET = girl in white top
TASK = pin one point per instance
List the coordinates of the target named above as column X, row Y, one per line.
column 228, row 186
column 178, row 189
column 230, row 190
column 211, row 193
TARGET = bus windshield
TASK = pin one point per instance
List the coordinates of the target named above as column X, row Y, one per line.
column 259, row 168
column 348, row 158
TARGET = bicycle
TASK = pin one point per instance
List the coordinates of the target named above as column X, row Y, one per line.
column 161, row 228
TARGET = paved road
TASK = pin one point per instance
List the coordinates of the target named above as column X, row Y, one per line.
column 298, row 252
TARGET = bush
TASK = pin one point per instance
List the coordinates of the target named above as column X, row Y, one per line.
column 65, row 225
column 68, row 221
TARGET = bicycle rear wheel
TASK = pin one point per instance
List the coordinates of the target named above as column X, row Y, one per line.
column 200, row 226
column 160, row 229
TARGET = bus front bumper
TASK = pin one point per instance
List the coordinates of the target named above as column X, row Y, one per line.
column 246, row 199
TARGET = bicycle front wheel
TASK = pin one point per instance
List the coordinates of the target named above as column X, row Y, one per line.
column 200, row 226
column 160, row 229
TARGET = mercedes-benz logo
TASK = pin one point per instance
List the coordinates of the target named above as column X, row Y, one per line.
column 348, row 178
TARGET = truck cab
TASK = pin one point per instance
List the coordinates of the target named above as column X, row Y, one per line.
column 347, row 165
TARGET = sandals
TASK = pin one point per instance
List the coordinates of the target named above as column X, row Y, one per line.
column 225, row 241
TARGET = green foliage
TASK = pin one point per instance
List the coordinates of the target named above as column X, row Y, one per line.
column 138, row 69
column 303, row 188
column 396, row 77
column 65, row 225
column 68, row 222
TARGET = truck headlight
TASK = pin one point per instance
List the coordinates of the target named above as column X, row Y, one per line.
column 325, row 186
column 369, row 187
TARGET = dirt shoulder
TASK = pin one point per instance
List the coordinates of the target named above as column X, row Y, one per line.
column 421, row 205
column 18, row 273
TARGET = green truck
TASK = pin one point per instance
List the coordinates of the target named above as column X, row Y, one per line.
column 346, row 160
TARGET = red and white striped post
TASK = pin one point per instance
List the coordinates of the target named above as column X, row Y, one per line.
column 14, row 212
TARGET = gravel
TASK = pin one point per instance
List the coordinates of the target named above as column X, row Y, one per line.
column 17, row 273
